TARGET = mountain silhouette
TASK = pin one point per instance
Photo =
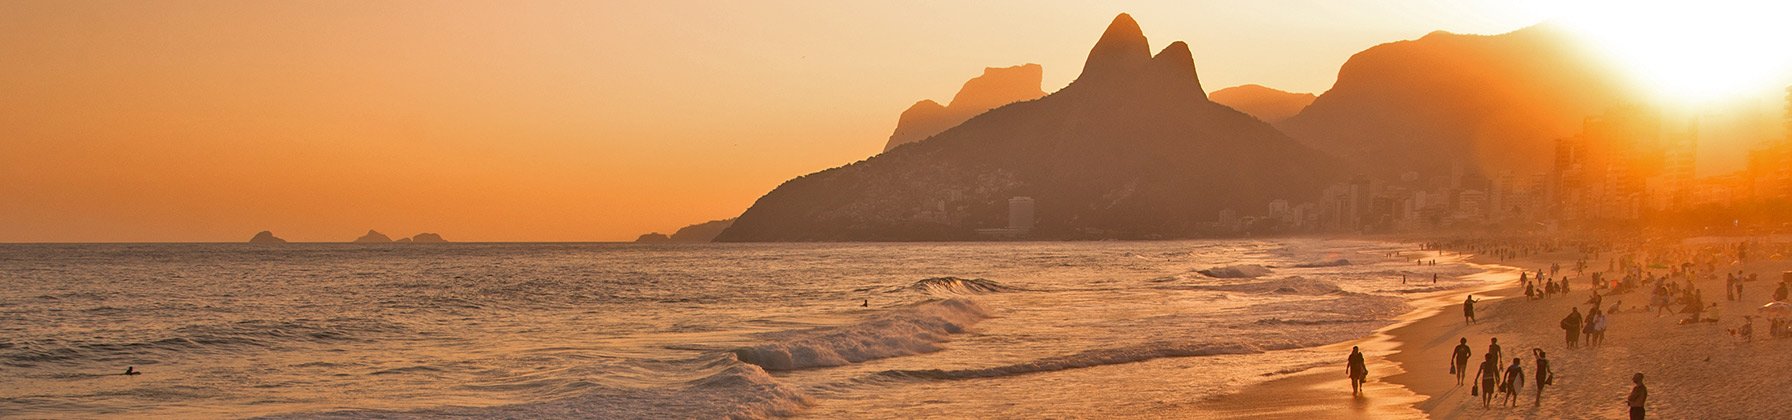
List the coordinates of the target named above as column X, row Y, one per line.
column 996, row 87
column 373, row 237
column 697, row 233
column 1491, row 103
column 1131, row 149
column 266, row 237
column 1269, row 105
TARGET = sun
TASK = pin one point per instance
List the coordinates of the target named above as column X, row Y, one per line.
column 1690, row 52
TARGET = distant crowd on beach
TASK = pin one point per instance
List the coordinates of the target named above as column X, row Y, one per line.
column 1667, row 272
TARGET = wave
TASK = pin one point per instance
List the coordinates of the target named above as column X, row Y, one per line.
column 223, row 337
column 1284, row 286
column 915, row 329
column 1091, row 358
column 1236, row 271
column 959, row 286
column 1317, row 264
column 726, row 389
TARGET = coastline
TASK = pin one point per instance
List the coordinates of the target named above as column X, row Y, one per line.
column 1392, row 392
column 1697, row 370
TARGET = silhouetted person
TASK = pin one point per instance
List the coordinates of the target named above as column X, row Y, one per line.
column 1358, row 371
column 1638, row 396
column 1459, row 361
column 1489, row 377
column 1571, row 325
column 1514, row 382
column 866, row 304
column 1468, row 308
column 131, row 370
column 1545, row 376
column 1493, row 349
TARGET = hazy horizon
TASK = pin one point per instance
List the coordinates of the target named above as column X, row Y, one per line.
column 549, row 121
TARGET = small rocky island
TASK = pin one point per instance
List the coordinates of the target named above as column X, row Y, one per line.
column 266, row 237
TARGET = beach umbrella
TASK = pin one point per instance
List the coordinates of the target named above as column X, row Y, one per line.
column 1777, row 309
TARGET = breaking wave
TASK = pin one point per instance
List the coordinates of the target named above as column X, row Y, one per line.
column 1285, row 286
column 731, row 389
column 1236, row 271
column 915, row 329
column 958, row 286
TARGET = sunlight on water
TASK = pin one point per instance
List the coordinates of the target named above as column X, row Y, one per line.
column 682, row 331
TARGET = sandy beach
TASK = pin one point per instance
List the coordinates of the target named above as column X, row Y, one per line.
column 1693, row 371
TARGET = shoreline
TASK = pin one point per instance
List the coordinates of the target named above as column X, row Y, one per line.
column 1390, row 391
column 1693, row 370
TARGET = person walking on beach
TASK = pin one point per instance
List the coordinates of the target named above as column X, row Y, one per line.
column 1493, row 349
column 1468, row 308
column 1638, row 395
column 1489, row 377
column 1571, row 325
column 1514, row 382
column 1358, row 371
column 1586, row 328
column 1459, row 361
column 1545, row 376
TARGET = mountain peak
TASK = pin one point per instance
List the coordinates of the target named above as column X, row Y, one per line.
column 1175, row 66
column 1122, row 48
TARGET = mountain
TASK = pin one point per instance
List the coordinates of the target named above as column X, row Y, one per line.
column 1131, row 149
column 996, row 87
column 427, row 238
column 373, row 237
column 1269, row 105
column 697, row 233
column 1492, row 103
column 266, row 237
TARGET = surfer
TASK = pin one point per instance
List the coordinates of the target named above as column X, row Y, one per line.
column 131, row 370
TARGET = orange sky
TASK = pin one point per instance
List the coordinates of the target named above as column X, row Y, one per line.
column 543, row 121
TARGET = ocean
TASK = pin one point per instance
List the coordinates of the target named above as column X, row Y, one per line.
column 861, row 330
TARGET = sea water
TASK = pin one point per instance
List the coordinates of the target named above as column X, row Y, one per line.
column 1018, row 329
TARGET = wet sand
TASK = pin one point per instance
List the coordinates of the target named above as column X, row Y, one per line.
column 1694, row 371
column 1325, row 392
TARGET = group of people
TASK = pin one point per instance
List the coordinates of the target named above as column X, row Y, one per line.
column 1541, row 286
column 1490, row 377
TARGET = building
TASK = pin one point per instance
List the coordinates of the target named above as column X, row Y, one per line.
column 1604, row 173
column 1020, row 214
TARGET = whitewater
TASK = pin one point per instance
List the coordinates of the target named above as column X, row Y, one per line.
column 1022, row 329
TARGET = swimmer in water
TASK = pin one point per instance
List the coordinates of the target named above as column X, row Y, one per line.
column 131, row 370
column 867, row 304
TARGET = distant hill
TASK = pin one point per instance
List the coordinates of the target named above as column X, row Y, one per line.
column 1131, row 149
column 373, row 237
column 266, row 237
column 1495, row 103
column 996, row 87
column 697, row 233
column 1269, row 105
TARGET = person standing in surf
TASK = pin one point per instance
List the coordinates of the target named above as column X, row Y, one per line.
column 1358, row 371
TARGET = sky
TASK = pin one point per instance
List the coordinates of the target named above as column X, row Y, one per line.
column 542, row 120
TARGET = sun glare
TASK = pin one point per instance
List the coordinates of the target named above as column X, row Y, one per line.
column 1691, row 52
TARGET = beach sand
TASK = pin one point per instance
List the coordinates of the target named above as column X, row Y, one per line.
column 1693, row 371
